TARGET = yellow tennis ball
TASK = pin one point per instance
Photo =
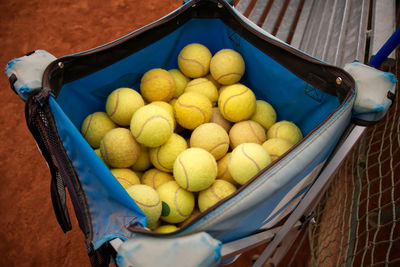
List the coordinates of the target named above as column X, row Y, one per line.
column 180, row 81
column 195, row 169
column 164, row 156
column 152, row 125
column 285, row 130
column 166, row 229
column 177, row 203
column 95, row 126
column 122, row 103
column 217, row 118
column 157, row 85
column 168, row 107
column 155, row 225
column 143, row 161
column 156, row 178
column 219, row 190
column 237, row 102
column 119, row 148
column 125, row 177
column 148, row 201
column 192, row 109
column 276, row 147
column 194, row 60
column 223, row 172
column 205, row 87
column 264, row 114
column 211, row 137
column 139, row 174
column 247, row 132
column 98, row 152
column 227, row 66
column 246, row 161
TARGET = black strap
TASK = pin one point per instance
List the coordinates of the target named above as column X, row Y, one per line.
column 58, row 197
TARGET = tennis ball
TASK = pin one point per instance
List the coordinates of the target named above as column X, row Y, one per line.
column 122, row 103
column 223, row 172
column 143, row 161
column 155, row 178
column 195, row 169
column 192, row 109
column 98, row 152
column 211, row 137
column 155, row 225
column 205, row 87
column 194, row 60
column 166, row 229
column 276, row 147
column 246, row 161
column 163, row 157
column 285, row 130
column 227, row 66
column 139, row 174
column 211, row 79
column 237, row 102
column 125, row 177
column 168, row 107
column 219, row 190
column 190, row 218
column 119, row 148
column 148, row 201
column 247, row 132
column 152, row 125
column 217, row 118
column 157, row 85
column 264, row 114
column 180, row 81
column 95, row 126
column 177, row 203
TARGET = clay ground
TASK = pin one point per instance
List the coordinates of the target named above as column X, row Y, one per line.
column 30, row 235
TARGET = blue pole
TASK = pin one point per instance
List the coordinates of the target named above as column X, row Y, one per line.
column 386, row 49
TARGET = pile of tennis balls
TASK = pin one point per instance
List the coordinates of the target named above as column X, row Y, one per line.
column 190, row 138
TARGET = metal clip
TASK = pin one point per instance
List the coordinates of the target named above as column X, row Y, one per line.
column 305, row 219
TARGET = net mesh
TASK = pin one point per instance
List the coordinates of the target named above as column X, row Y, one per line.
column 358, row 218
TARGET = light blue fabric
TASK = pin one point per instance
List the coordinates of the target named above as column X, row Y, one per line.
column 187, row 251
column 29, row 71
column 372, row 85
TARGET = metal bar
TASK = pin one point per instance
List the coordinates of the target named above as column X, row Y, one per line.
column 315, row 193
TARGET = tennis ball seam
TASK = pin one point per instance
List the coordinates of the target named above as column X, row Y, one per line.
column 147, row 205
column 252, row 160
column 123, row 180
column 214, row 193
column 148, row 120
column 88, row 125
column 225, row 171
column 152, row 180
column 254, row 132
column 185, row 106
column 176, row 204
column 216, row 146
column 231, row 73
column 116, row 103
column 158, row 160
column 198, row 83
column 229, row 98
column 184, row 171
column 194, row 61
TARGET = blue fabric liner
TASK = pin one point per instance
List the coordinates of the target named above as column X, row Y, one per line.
column 268, row 79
